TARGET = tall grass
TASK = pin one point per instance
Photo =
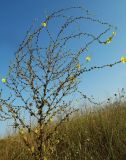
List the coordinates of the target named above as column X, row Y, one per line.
column 97, row 134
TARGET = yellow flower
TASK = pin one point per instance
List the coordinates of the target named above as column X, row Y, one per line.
column 33, row 149
column 4, row 80
column 44, row 24
column 78, row 66
column 109, row 40
column 123, row 59
column 88, row 58
column 72, row 78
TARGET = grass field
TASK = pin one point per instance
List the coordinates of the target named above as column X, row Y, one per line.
column 96, row 134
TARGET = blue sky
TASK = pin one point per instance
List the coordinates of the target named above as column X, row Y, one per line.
column 16, row 16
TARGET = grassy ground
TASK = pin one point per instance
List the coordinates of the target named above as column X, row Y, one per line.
column 99, row 134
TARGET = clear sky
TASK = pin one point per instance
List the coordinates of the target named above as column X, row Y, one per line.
column 16, row 16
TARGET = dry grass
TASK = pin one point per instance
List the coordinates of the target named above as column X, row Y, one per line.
column 94, row 135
